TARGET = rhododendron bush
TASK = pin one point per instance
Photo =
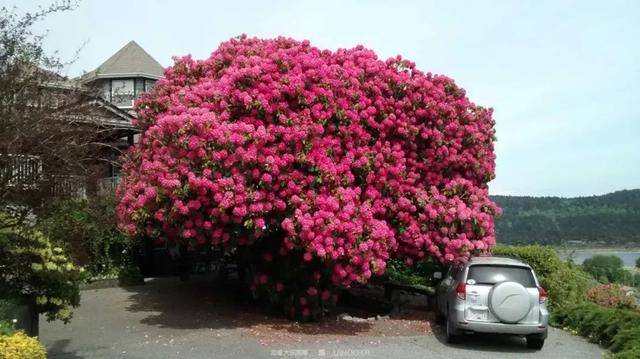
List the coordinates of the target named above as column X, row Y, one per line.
column 320, row 164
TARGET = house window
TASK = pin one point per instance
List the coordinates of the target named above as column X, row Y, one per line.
column 148, row 85
column 139, row 86
column 115, row 170
column 122, row 92
column 105, row 90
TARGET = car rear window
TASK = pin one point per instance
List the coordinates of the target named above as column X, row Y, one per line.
column 492, row 274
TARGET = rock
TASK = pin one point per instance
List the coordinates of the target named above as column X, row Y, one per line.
column 343, row 317
column 348, row 318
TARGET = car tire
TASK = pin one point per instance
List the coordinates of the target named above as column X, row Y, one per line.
column 436, row 309
column 535, row 342
column 452, row 335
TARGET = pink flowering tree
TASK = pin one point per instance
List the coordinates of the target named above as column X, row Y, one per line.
column 321, row 165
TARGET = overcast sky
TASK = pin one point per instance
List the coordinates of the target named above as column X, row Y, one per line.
column 563, row 78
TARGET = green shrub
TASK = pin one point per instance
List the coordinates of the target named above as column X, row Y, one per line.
column 605, row 268
column 8, row 305
column 627, row 354
column 21, row 346
column 566, row 283
column 87, row 229
column 616, row 329
column 418, row 274
column 30, row 267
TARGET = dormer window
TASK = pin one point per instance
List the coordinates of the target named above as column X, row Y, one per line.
column 122, row 92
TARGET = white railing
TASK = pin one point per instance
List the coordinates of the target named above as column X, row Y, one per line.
column 21, row 171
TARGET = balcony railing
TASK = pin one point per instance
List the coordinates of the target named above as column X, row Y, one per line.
column 21, row 171
column 108, row 185
column 69, row 186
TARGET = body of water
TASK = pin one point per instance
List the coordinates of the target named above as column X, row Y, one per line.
column 629, row 258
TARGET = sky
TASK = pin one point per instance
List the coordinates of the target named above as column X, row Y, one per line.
column 563, row 77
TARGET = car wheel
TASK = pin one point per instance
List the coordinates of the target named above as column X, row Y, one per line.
column 451, row 333
column 535, row 342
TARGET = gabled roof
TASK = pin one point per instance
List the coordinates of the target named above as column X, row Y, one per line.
column 129, row 61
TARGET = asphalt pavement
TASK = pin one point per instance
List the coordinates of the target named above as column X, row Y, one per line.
column 167, row 318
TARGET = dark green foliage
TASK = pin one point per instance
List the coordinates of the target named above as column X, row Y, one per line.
column 617, row 329
column 638, row 262
column 605, row 268
column 633, row 353
column 565, row 283
column 8, row 304
column 611, row 219
column 418, row 274
column 87, row 228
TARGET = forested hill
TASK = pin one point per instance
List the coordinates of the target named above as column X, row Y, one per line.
column 609, row 220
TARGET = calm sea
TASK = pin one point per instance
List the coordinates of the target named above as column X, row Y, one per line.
column 629, row 258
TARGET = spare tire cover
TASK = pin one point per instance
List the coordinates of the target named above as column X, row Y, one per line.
column 509, row 301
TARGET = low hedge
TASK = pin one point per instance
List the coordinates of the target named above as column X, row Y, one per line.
column 616, row 329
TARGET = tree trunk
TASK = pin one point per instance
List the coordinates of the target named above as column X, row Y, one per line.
column 27, row 317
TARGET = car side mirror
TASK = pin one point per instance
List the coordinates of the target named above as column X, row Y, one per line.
column 437, row 275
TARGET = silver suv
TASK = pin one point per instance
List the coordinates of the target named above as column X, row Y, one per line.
column 493, row 295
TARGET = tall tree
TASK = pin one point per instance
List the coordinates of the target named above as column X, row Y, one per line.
column 41, row 143
column 321, row 164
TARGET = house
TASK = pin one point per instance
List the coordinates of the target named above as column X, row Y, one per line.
column 95, row 108
column 124, row 76
column 118, row 81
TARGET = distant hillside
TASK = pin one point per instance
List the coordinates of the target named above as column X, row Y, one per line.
column 609, row 220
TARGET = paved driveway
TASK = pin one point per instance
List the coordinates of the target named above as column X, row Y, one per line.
column 170, row 319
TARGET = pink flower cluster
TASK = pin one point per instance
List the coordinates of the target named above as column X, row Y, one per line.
column 355, row 159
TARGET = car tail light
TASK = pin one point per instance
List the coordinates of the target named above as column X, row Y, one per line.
column 543, row 295
column 461, row 290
